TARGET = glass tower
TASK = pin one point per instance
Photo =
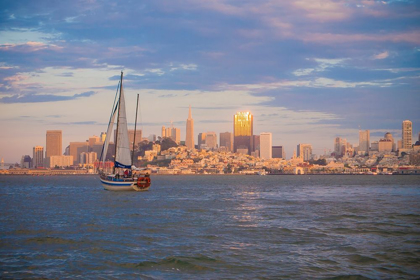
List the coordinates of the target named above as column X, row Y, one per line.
column 243, row 129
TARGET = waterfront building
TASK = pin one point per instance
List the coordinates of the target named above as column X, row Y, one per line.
column 26, row 162
column 189, row 138
column 53, row 143
column 278, row 152
column 211, row 140
column 60, row 161
column 38, row 157
column 407, row 134
column 243, row 130
column 266, row 143
column 151, row 138
column 304, row 151
column 226, row 140
column 364, row 141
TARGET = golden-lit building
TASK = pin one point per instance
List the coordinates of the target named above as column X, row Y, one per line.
column 243, row 129
column 38, row 156
column 189, row 138
column 407, row 134
column 54, row 143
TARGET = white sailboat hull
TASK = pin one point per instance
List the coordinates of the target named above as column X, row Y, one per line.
column 121, row 185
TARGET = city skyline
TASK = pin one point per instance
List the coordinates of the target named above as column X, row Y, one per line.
column 305, row 69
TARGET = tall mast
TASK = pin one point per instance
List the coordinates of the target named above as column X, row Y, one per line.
column 118, row 119
column 135, row 130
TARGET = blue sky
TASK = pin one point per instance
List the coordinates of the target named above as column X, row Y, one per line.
column 309, row 70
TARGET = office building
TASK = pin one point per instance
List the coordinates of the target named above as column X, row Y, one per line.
column 137, row 136
column 266, row 141
column 340, row 146
column 211, row 140
column 364, row 141
column 255, row 143
column 278, row 152
column 26, row 162
column 304, row 151
column 407, row 134
column 226, row 140
column 38, row 157
column 243, row 130
column 59, row 161
column 54, row 143
column 76, row 148
column 189, row 138
column 201, row 139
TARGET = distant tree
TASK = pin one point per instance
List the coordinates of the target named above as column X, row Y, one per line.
column 322, row 162
column 144, row 146
column 167, row 143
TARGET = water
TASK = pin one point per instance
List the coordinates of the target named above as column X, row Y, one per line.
column 212, row 227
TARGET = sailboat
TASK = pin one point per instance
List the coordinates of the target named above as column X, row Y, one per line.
column 124, row 176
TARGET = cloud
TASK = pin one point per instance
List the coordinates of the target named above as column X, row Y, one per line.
column 382, row 55
column 39, row 98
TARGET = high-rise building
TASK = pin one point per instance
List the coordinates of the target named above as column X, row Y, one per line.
column 340, row 146
column 407, row 134
column 163, row 132
column 278, row 152
column 226, row 140
column 266, row 141
column 201, row 139
column 176, row 135
column 243, row 130
column 53, row 143
column 26, row 162
column 131, row 137
column 88, row 158
column 76, row 148
column 38, row 156
column 211, row 140
column 304, row 151
column 189, row 138
column 364, row 141
column 255, row 143
column 94, row 140
column 103, row 136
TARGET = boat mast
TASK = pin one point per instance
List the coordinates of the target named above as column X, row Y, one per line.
column 118, row 120
column 135, row 130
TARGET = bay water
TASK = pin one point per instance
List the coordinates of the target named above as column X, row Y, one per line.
column 211, row 227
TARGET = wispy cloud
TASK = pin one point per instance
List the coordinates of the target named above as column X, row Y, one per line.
column 382, row 55
column 33, row 98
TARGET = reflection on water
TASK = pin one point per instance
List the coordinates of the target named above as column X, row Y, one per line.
column 212, row 227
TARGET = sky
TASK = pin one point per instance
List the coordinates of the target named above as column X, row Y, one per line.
column 308, row 70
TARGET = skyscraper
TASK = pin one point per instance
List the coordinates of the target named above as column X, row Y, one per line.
column 243, row 129
column 266, row 141
column 211, row 140
column 38, row 156
column 364, row 141
column 131, row 137
column 54, row 143
column 407, row 134
column 304, row 151
column 189, row 139
column 278, row 152
column 226, row 140
column 201, row 139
